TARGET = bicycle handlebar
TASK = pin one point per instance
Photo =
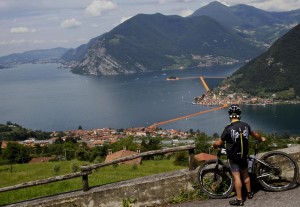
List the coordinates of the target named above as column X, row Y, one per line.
column 222, row 150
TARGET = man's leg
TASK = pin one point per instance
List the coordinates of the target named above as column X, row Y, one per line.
column 235, row 171
column 246, row 179
column 238, row 185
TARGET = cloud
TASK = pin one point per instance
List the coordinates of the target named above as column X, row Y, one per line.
column 60, row 41
column 277, row 5
column 21, row 30
column 173, row 1
column 12, row 42
column 268, row 5
column 123, row 19
column 98, row 7
column 70, row 23
column 22, row 41
column 186, row 12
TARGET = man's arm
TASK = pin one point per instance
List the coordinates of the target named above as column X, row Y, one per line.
column 258, row 137
column 218, row 143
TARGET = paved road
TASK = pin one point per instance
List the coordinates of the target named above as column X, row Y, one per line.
column 290, row 198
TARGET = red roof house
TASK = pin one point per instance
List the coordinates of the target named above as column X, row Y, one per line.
column 123, row 153
column 205, row 157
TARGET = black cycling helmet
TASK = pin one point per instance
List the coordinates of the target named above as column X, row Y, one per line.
column 234, row 111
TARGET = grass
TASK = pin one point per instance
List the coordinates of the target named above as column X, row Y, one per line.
column 29, row 172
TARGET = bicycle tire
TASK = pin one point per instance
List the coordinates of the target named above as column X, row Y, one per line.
column 282, row 176
column 220, row 188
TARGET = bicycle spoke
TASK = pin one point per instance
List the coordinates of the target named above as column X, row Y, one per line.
column 279, row 171
column 215, row 183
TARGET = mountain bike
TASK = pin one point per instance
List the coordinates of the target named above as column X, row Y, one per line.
column 275, row 171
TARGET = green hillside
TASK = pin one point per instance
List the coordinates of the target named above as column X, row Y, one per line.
column 275, row 73
column 146, row 37
column 153, row 42
column 213, row 35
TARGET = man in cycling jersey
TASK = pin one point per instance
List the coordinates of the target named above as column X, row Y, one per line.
column 235, row 136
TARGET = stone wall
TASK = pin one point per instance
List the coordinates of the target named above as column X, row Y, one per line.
column 148, row 191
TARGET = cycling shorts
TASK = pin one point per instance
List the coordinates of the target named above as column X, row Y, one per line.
column 237, row 166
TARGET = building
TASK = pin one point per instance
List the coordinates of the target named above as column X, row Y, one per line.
column 123, row 153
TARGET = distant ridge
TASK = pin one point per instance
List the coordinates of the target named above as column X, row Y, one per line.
column 33, row 56
column 153, row 42
column 259, row 26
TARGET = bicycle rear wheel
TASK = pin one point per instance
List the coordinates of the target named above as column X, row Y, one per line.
column 279, row 173
column 215, row 182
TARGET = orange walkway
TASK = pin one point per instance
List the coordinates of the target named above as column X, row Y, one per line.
column 202, row 76
column 195, row 114
column 187, row 116
column 204, row 84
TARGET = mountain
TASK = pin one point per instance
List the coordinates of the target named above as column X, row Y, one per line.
column 219, row 12
column 259, row 26
column 153, row 42
column 214, row 35
column 79, row 53
column 275, row 73
column 33, row 56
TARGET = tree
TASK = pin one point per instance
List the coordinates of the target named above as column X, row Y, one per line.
column 16, row 153
column 82, row 155
column 59, row 141
column 191, row 131
column 38, row 149
column 203, row 143
column 154, row 143
column 125, row 142
column 216, row 135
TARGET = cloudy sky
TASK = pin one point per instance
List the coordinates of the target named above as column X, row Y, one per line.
column 42, row 24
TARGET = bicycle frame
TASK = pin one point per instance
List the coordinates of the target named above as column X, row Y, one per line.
column 222, row 151
column 253, row 158
column 216, row 179
column 256, row 160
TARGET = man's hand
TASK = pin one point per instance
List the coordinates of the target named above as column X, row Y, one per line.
column 258, row 137
column 217, row 144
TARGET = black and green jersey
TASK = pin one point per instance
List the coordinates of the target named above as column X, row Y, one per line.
column 236, row 135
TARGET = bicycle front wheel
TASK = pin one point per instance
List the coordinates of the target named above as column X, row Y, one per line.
column 215, row 182
column 278, row 171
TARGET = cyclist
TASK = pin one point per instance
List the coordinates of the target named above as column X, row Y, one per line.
column 235, row 136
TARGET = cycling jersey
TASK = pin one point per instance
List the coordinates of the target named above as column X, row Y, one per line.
column 236, row 135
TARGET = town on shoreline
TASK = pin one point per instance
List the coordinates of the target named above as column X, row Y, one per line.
column 102, row 136
column 211, row 99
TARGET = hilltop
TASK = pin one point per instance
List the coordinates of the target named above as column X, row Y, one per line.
column 274, row 74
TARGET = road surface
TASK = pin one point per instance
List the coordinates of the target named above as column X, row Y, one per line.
column 262, row 198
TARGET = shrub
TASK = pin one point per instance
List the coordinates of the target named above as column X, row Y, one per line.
column 181, row 158
column 75, row 168
column 56, row 169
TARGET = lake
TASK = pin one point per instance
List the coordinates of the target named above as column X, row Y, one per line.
column 44, row 97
